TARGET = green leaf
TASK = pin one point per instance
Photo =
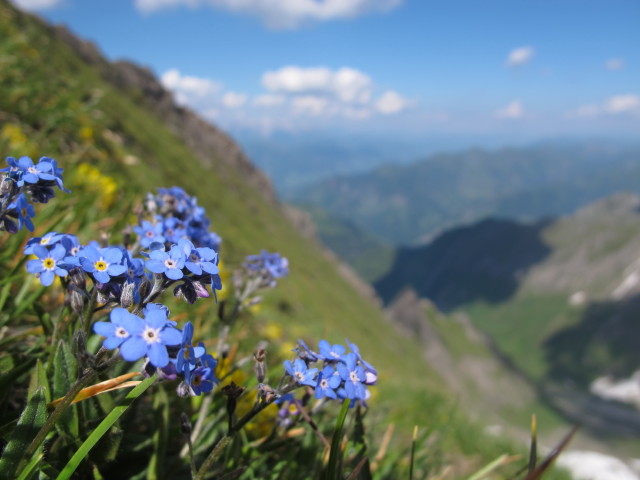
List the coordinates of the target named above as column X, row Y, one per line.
column 335, row 456
column 31, row 420
column 160, row 434
column 39, row 379
column 64, row 376
column 104, row 427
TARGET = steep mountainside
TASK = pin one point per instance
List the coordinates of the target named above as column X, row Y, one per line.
column 559, row 297
column 557, row 301
column 404, row 204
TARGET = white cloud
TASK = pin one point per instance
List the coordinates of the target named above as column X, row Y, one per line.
column 281, row 13
column 513, row 110
column 234, row 99
column 616, row 105
column 622, row 104
column 268, row 100
column 187, row 86
column 33, row 5
column 391, row 102
column 520, row 56
column 614, row 64
column 347, row 84
column 310, row 104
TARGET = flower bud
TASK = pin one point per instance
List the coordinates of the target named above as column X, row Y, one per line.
column 128, row 293
column 144, row 288
column 76, row 301
column 260, row 365
column 78, row 278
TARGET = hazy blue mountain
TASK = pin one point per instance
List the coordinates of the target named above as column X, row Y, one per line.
column 293, row 161
column 405, row 203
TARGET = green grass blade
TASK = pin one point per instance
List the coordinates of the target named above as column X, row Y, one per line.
column 32, row 419
column 533, row 450
column 335, row 454
column 103, row 428
column 484, row 471
column 413, row 451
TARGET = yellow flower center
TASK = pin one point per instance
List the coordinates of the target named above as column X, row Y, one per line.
column 48, row 263
column 100, row 265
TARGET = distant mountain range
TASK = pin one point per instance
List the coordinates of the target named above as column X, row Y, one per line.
column 404, row 204
column 560, row 297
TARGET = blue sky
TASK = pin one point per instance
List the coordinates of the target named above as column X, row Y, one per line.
column 421, row 67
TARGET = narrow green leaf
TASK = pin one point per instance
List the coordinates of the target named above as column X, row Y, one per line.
column 31, row 420
column 484, row 471
column 160, row 434
column 64, row 376
column 104, row 427
column 546, row 463
column 413, row 451
column 335, row 455
column 533, row 450
column 29, row 470
column 4, row 294
column 39, row 379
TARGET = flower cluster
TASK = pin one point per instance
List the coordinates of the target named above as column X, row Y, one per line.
column 340, row 374
column 167, row 349
column 267, row 267
column 22, row 178
column 174, row 215
column 173, row 255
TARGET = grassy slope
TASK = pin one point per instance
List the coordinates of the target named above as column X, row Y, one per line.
column 53, row 104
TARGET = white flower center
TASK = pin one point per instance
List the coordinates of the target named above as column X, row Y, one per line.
column 353, row 376
column 151, row 335
column 121, row 332
column 169, row 263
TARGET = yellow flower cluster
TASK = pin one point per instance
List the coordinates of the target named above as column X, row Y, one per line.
column 106, row 187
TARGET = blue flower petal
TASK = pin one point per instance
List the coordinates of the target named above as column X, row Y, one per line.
column 158, row 355
column 46, row 278
column 106, row 329
column 156, row 318
column 34, row 266
column 133, row 348
column 171, row 336
column 174, row 273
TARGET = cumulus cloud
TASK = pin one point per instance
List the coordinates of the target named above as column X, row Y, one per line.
column 310, row 104
column 34, row 5
column 281, row 13
column 614, row 64
column 234, row 99
column 390, row 102
column 513, row 110
column 347, row 84
column 268, row 100
column 520, row 56
column 293, row 97
column 616, row 105
column 622, row 104
column 189, row 87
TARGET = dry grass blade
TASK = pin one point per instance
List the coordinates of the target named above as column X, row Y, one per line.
column 102, row 387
